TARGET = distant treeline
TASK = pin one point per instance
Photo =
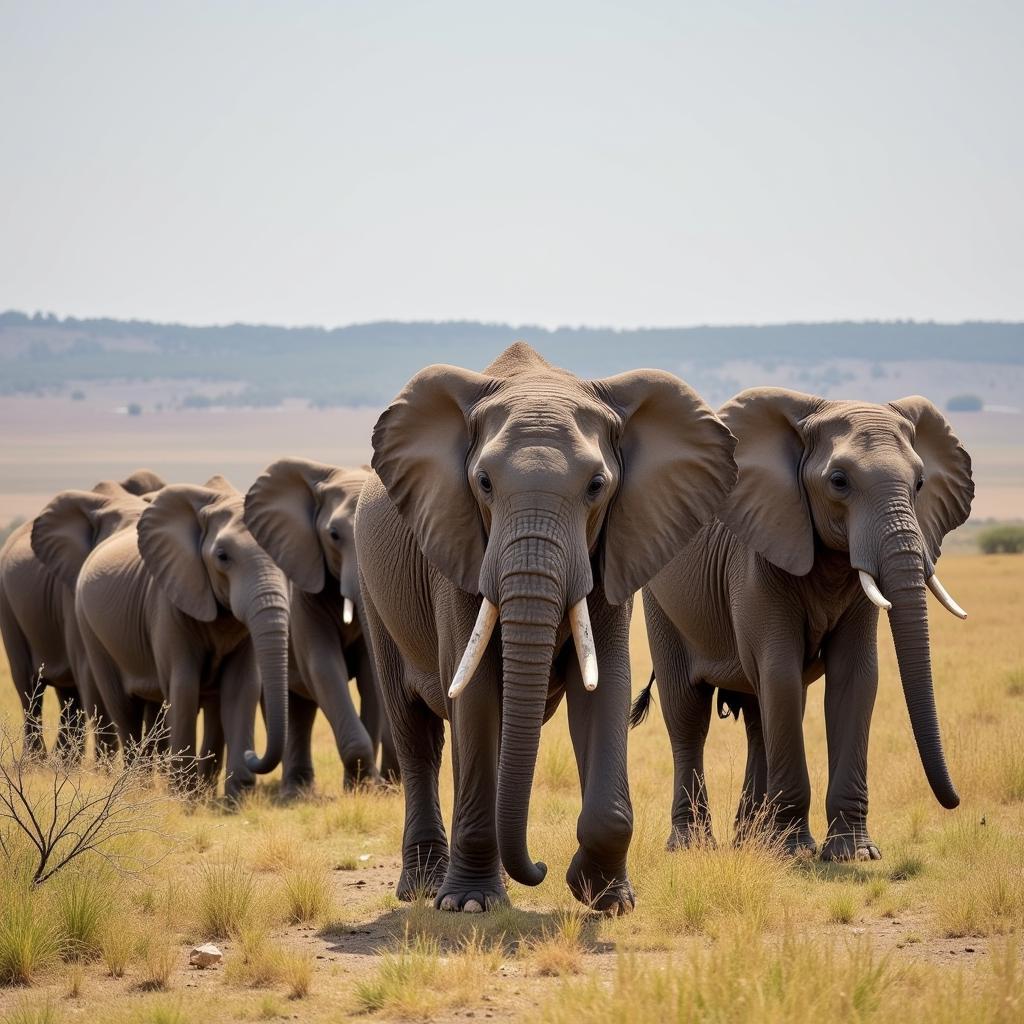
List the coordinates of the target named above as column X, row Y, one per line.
column 367, row 363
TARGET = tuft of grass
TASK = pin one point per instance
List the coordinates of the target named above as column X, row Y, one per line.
column 1015, row 682
column 307, row 894
column 559, row 950
column 416, row 981
column 269, row 1008
column 159, row 959
column 841, row 907
column 906, row 865
column 298, row 976
column 82, row 901
column 279, row 850
column 226, row 898
column 30, row 942
column 117, row 948
column 75, row 982
column 25, row 1011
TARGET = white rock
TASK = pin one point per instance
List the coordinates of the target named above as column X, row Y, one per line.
column 205, row 956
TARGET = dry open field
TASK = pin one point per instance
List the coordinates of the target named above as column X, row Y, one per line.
column 299, row 896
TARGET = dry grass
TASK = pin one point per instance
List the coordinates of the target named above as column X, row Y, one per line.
column 717, row 932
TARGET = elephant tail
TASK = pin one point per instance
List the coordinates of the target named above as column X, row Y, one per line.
column 642, row 705
column 729, row 703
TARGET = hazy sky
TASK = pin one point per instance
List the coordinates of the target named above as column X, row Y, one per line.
column 602, row 163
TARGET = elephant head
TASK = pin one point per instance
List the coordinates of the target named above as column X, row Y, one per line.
column 521, row 482
column 75, row 522
column 194, row 542
column 303, row 514
column 883, row 482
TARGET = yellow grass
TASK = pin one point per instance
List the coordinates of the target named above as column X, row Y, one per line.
column 298, row 895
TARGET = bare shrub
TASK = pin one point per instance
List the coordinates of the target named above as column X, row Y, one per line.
column 54, row 811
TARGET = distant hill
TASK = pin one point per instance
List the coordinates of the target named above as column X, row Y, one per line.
column 365, row 364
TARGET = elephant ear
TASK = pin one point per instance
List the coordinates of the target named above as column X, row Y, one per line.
column 420, row 446
column 142, row 482
column 944, row 502
column 768, row 508
column 281, row 510
column 170, row 542
column 64, row 533
column 677, row 468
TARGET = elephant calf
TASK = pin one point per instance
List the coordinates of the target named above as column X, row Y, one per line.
column 837, row 504
column 510, row 517
column 37, row 596
column 188, row 609
column 303, row 514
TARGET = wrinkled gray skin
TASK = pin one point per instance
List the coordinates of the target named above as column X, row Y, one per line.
column 303, row 514
column 534, row 489
column 188, row 609
column 37, row 605
column 767, row 598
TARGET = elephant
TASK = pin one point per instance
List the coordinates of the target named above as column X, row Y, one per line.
column 37, row 618
column 510, row 517
column 303, row 514
column 189, row 610
column 837, row 504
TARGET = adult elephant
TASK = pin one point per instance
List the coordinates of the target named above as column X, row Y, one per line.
column 188, row 609
column 37, row 617
column 303, row 514
column 837, row 504
column 512, row 513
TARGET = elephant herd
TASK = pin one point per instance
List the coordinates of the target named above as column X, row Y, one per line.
column 485, row 568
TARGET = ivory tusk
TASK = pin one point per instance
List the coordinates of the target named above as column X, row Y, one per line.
column 478, row 641
column 583, row 636
column 867, row 581
column 346, row 612
column 943, row 595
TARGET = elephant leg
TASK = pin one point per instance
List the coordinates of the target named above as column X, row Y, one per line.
column 153, row 720
column 70, row 743
column 105, row 676
column 754, row 797
column 239, row 698
column 473, row 881
column 419, row 740
column 297, row 773
column 374, row 717
column 598, row 725
column 183, row 697
column 851, row 682
column 782, row 696
column 686, row 708
column 211, row 753
column 25, row 677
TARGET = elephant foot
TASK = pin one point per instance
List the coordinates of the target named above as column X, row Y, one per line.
column 471, row 897
column 610, row 893
column 682, row 837
column 423, row 873
column 850, row 844
column 361, row 779
column 795, row 838
column 390, row 772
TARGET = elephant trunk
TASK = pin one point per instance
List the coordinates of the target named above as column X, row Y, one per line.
column 268, row 625
column 903, row 583
column 532, row 602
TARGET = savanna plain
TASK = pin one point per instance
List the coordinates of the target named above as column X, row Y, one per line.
column 299, row 896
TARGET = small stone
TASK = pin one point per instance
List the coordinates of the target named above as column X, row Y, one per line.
column 968, row 949
column 205, row 956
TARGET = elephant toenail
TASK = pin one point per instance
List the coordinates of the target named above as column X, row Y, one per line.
column 449, row 903
column 472, row 907
column 863, row 853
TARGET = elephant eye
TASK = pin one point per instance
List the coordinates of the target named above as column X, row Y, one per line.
column 333, row 533
column 485, row 482
column 920, row 483
column 221, row 555
column 839, row 480
column 595, row 486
